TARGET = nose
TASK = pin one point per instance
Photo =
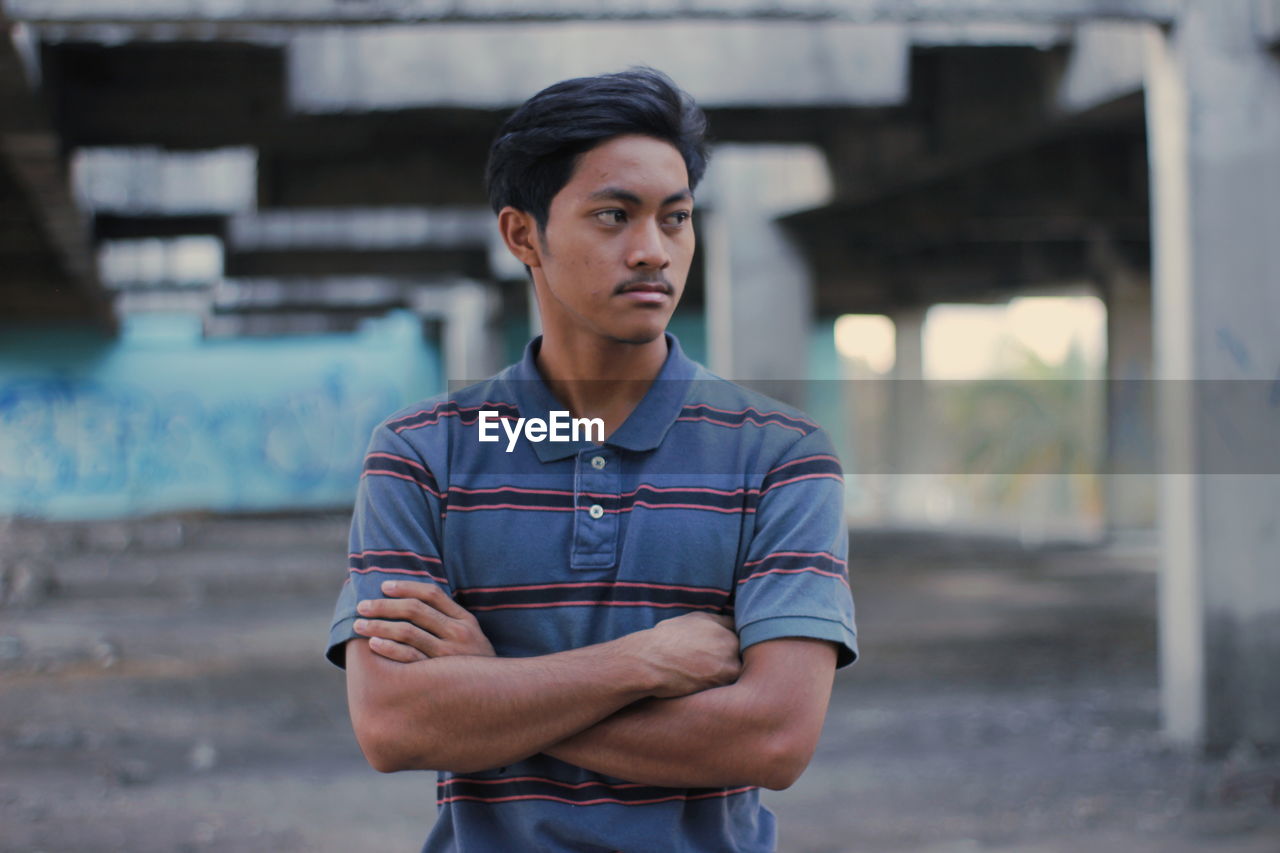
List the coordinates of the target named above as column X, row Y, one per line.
column 647, row 249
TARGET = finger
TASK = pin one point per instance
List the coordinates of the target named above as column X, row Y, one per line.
column 402, row 633
column 395, row 651
column 412, row 610
column 429, row 593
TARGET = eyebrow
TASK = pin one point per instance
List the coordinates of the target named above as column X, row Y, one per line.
column 619, row 194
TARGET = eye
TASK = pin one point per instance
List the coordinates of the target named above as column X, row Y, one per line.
column 613, row 216
column 680, row 217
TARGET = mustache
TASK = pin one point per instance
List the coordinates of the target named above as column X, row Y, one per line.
column 655, row 277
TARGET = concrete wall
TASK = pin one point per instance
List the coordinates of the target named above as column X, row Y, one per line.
column 161, row 420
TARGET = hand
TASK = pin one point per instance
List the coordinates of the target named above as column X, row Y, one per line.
column 434, row 624
column 692, row 652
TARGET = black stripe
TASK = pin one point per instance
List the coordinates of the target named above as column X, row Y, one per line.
column 375, row 464
column 694, row 600
column 462, row 500
column 394, row 561
column 610, row 503
column 823, row 562
column 800, row 469
column 750, row 416
column 446, row 789
column 711, row 500
column 452, row 409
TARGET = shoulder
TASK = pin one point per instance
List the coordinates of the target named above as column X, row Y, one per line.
column 750, row 414
column 426, row 425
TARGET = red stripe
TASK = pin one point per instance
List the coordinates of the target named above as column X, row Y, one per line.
column 592, row 584
column 456, row 414
column 398, row 459
column 415, row 572
column 811, row 570
column 662, row 489
column 439, row 406
column 751, row 409
column 644, row 504
column 436, row 420
column 571, row 785
column 512, row 506
column 595, row 604
column 648, row 505
column 422, row 557
column 632, row 493
column 744, row 423
column 833, row 557
column 828, row 476
column 598, row 801
column 804, row 459
column 517, row 489
column 382, row 473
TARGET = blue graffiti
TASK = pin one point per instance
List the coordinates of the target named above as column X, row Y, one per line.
column 141, row 450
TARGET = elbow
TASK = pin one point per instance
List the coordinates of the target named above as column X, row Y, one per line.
column 382, row 749
column 783, row 758
column 387, row 749
column 781, row 774
column 391, row 742
column 385, row 760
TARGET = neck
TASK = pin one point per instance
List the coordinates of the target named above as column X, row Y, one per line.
column 600, row 378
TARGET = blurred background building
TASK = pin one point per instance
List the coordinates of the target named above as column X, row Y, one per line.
column 235, row 235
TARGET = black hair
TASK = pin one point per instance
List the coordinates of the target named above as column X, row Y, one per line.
column 537, row 147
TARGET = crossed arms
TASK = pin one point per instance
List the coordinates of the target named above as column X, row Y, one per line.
column 672, row 705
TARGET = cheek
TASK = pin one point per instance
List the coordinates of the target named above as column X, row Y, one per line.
column 593, row 272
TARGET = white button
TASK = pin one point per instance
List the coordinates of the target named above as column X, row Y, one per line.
column 597, row 462
column 595, row 511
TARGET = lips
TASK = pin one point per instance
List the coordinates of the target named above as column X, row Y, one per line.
column 658, row 287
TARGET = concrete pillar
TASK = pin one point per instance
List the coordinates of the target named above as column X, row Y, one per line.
column 1129, row 484
column 1214, row 128
column 759, row 295
column 471, row 343
column 908, row 440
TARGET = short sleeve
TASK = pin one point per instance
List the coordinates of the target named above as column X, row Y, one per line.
column 795, row 581
column 394, row 531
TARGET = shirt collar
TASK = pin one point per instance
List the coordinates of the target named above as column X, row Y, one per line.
column 644, row 428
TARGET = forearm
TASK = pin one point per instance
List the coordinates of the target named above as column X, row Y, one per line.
column 711, row 739
column 466, row 713
column 761, row 730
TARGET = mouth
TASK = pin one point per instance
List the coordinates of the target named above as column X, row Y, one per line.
column 645, row 289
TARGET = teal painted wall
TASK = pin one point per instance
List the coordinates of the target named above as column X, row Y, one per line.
column 161, row 420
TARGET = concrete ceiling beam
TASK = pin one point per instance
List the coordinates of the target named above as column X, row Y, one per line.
column 272, row 263
column 329, row 12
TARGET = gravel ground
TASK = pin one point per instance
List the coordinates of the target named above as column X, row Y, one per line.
column 162, row 689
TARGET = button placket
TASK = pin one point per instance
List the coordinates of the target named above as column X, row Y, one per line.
column 595, row 529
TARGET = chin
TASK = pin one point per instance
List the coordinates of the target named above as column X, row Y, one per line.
column 638, row 336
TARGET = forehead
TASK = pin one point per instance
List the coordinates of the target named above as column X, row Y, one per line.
column 642, row 165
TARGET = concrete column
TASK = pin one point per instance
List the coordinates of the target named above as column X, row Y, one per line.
column 908, row 442
column 1130, row 482
column 1214, row 128
column 471, row 343
column 759, row 294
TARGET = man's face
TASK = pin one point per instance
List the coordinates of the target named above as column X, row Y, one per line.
column 618, row 242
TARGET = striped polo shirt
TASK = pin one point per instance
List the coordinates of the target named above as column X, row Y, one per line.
column 709, row 497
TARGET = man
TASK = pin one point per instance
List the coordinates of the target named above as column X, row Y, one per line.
column 611, row 644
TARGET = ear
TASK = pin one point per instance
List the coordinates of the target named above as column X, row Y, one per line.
column 520, row 232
